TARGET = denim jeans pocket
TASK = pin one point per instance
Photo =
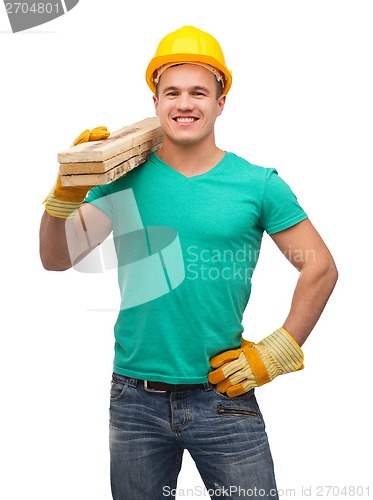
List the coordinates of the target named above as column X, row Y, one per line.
column 237, row 410
column 245, row 405
column 118, row 388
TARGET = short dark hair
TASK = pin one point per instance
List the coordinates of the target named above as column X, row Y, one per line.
column 219, row 88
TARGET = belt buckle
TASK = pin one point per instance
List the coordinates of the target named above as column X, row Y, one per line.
column 148, row 389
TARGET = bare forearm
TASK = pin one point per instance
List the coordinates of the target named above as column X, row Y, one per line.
column 311, row 294
column 54, row 253
column 64, row 242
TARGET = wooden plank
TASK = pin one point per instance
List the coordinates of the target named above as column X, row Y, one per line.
column 100, row 167
column 96, row 179
column 117, row 143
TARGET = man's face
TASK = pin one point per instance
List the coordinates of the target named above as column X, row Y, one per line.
column 187, row 104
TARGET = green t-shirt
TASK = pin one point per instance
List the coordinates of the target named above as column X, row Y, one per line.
column 187, row 249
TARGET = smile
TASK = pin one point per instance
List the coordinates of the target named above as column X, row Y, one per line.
column 185, row 119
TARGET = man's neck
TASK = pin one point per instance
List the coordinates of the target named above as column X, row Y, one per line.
column 190, row 160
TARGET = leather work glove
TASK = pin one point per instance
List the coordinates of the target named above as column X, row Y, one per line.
column 240, row 370
column 62, row 201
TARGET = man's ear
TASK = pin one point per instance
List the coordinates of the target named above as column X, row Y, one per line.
column 155, row 101
column 221, row 103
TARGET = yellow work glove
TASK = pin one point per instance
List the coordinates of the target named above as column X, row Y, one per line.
column 62, row 201
column 239, row 370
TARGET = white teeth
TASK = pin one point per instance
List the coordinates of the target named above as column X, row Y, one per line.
column 185, row 120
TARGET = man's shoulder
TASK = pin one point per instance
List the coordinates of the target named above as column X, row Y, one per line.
column 242, row 167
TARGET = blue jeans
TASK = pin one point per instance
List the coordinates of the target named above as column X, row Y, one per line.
column 225, row 437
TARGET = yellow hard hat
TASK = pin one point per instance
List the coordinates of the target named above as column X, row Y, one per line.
column 189, row 45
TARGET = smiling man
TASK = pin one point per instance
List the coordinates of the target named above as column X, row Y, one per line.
column 187, row 114
column 184, row 376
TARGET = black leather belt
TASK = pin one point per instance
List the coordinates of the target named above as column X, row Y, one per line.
column 162, row 387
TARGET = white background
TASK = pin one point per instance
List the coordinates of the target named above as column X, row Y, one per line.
column 301, row 101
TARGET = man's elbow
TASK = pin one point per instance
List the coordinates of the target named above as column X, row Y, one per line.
column 329, row 273
column 56, row 268
column 322, row 270
column 334, row 273
column 50, row 264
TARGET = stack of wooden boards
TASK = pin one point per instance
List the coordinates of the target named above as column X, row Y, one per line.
column 101, row 162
